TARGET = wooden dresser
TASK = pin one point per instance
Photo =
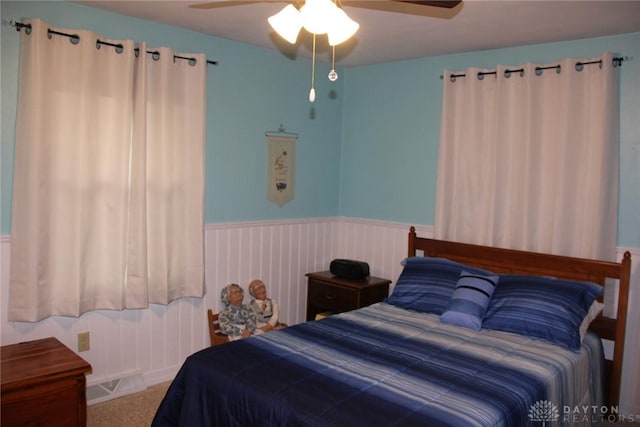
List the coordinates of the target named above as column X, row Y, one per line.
column 43, row 384
column 328, row 293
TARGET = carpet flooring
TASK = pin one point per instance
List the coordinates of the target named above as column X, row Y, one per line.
column 134, row 410
column 138, row 409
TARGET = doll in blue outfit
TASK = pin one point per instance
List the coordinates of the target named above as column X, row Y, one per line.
column 237, row 320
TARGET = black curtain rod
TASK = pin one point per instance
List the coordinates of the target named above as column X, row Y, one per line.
column 617, row 61
column 76, row 38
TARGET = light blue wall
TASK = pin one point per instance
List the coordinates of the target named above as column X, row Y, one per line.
column 391, row 127
column 368, row 147
column 251, row 91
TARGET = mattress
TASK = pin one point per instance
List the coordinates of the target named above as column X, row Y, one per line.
column 383, row 366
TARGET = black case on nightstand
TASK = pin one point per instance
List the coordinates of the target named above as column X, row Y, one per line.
column 349, row 268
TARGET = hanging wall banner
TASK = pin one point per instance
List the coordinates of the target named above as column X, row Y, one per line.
column 281, row 160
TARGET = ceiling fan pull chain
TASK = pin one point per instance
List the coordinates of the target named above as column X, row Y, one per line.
column 333, row 74
column 312, row 92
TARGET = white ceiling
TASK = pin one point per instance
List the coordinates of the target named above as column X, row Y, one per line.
column 391, row 31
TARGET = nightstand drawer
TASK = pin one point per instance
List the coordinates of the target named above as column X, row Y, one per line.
column 328, row 293
column 331, row 298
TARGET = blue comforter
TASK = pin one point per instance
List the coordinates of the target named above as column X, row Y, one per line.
column 381, row 366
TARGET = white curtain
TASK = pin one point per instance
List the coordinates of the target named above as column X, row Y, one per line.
column 529, row 157
column 107, row 208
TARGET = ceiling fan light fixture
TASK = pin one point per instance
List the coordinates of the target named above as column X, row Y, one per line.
column 343, row 28
column 287, row 23
column 318, row 15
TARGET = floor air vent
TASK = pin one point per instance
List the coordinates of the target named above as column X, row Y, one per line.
column 118, row 387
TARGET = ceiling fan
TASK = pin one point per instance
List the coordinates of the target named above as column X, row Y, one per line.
column 448, row 4
column 321, row 17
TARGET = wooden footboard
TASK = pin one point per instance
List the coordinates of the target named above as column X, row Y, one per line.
column 501, row 260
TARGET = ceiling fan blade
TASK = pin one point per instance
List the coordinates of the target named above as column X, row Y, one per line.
column 225, row 3
column 408, row 7
column 434, row 3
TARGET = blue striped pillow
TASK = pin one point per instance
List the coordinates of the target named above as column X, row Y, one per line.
column 426, row 284
column 470, row 300
column 542, row 308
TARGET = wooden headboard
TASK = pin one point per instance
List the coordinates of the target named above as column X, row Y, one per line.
column 511, row 261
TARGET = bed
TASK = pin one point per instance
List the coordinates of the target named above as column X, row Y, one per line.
column 398, row 362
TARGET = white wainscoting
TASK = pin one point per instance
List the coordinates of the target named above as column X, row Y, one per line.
column 381, row 244
column 155, row 341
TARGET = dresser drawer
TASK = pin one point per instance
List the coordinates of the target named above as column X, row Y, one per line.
column 331, row 298
column 52, row 404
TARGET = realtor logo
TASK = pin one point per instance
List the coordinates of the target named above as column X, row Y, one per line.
column 543, row 411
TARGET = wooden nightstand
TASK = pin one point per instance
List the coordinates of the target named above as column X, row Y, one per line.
column 43, row 383
column 327, row 292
